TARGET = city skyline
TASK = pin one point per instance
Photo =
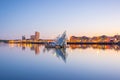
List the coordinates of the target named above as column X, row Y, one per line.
column 51, row 17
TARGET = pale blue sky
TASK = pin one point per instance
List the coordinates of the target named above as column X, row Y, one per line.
column 52, row 17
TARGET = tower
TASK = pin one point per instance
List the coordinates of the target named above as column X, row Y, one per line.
column 37, row 35
column 23, row 38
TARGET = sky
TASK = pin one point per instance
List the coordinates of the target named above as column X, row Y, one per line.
column 53, row 17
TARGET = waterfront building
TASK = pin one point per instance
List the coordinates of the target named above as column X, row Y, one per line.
column 84, row 39
column 37, row 35
column 23, row 38
column 32, row 37
column 75, row 39
column 117, row 38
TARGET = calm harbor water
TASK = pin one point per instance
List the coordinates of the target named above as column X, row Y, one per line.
column 78, row 62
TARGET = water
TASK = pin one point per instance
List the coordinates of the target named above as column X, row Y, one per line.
column 78, row 62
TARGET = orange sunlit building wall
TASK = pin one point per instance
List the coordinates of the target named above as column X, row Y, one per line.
column 74, row 39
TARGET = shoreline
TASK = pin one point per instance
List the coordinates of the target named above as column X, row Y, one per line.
column 70, row 43
column 77, row 43
column 98, row 43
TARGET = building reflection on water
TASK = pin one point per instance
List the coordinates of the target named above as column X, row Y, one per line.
column 33, row 47
column 96, row 46
column 37, row 47
column 61, row 53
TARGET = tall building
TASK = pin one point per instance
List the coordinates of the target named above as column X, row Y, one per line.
column 23, row 38
column 32, row 37
column 37, row 35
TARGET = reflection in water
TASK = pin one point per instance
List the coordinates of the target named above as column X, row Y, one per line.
column 36, row 47
column 96, row 46
column 85, row 64
column 33, row 47
column 60, row 53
